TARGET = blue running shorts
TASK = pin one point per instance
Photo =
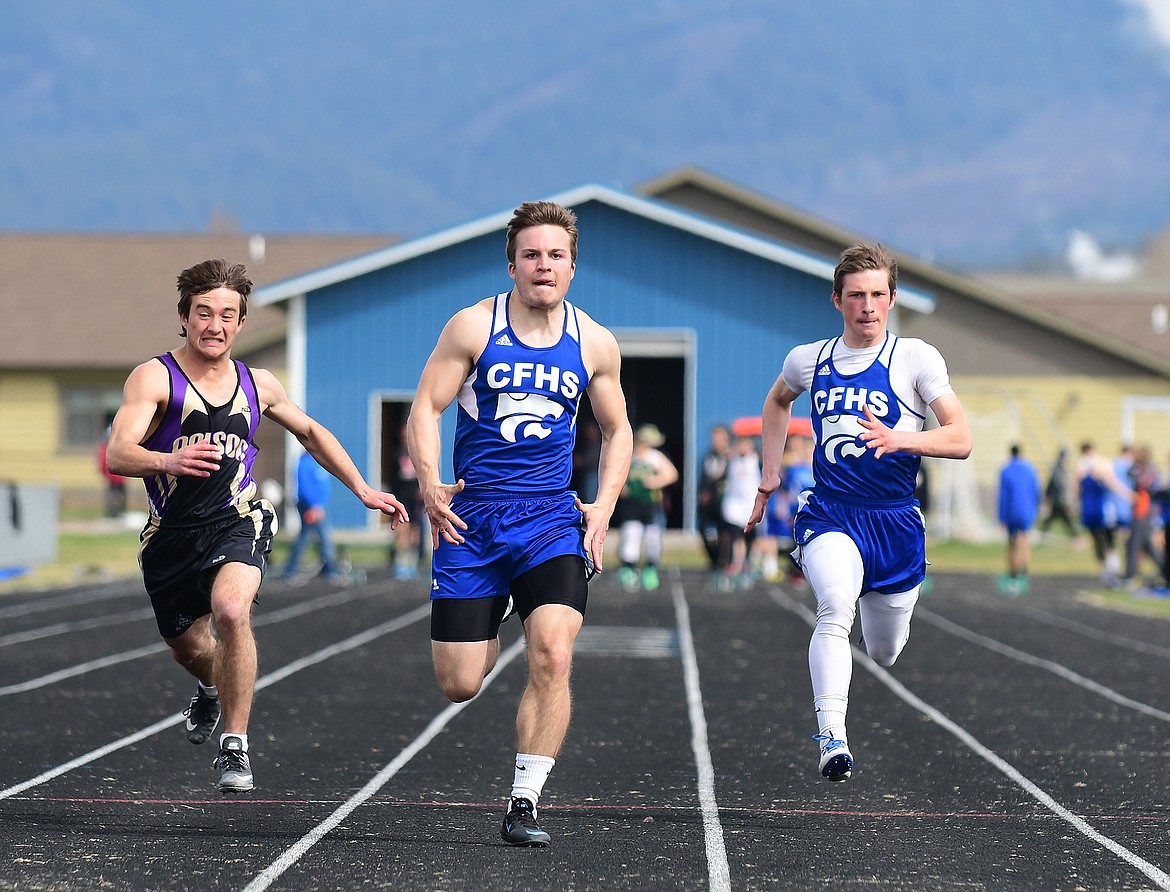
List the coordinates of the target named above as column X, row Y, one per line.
column 505, row 538
column 891, row 538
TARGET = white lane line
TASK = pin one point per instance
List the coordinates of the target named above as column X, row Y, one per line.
column 319, row 603
column 111, row 592
column 1064, row 622
column 42, row 681
column 78, row 625
column 1055, row 668
column 294, row 853
column 326, row 653
column 1080, row 824
column 718, row 870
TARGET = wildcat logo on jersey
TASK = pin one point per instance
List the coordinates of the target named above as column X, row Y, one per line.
column 839, row 437
column 522, row 415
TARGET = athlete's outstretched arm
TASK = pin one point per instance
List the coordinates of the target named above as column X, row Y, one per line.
column 777, row 413
column 617, row 437
column 444, row 373
column 320, row 443
column 951, row 439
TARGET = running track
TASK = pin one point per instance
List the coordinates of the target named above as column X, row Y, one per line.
column 1018, row 744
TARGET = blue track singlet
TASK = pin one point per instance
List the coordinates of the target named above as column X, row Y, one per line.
column 869, row 499
column 842, row 465
column 514, row 450
column 1096, row 513
column 517, row 418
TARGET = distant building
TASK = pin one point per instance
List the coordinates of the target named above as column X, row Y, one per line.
column 704, row 314
column 81, row 310
column 1043, row 361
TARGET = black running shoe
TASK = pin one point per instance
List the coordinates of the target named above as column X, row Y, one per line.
column 520, row 827
column 202, row 717
column 235, row 769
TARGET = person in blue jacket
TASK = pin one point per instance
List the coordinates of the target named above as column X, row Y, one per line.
column 1018, row 504
column 312, row 496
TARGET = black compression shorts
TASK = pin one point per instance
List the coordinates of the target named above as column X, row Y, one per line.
column 561, row 580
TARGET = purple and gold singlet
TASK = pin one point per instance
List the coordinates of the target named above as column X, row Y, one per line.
column 189, row 418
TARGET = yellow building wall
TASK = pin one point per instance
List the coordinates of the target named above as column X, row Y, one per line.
column 1043, row 414
column 30, row 422
column 30, row 435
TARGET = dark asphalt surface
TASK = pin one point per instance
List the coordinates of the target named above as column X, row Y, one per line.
column 1019, row 744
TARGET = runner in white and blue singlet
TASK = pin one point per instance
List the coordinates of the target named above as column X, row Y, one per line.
column 509, row 530
column 860, row 537
column 849, row 476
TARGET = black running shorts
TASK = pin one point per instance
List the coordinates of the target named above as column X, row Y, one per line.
column 179, row 561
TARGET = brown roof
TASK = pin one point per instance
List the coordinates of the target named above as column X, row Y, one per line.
column 108, row 301
column 1125, row 313
column 1122, row 332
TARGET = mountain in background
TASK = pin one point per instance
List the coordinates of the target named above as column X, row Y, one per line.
column 977, row 133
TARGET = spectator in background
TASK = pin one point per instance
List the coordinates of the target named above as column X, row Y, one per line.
column 586, row 460
column 409, row 537
column 739, row 497
column 712, row 475
column 1162, row 498
column 642, row 511
column 1018, row 505
column 796, row 477
column 1122, row 503
column 1056, row 492
column 312, row 496
column 1144, row 482
column 1099, row 491
column 922, row 489
column 115, row 483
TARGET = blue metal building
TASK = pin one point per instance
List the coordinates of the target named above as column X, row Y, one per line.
column 704, row 315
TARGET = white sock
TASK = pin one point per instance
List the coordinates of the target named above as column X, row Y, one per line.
column 225, row 736
column 831, row 715
column 531, row 773
column 212, row 691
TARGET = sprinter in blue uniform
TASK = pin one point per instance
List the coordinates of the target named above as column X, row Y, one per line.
column 187, row 426
column 860, row 536
column 510, row 530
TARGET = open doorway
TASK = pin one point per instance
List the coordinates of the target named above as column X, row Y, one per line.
column 394, row 413
column 656, row 393
column 410, row 548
